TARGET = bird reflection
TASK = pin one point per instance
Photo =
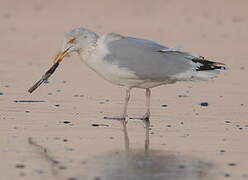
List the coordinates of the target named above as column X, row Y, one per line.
column 146, row 164
column 126, row 137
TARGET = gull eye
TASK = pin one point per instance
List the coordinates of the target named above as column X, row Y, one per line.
column 72, row 41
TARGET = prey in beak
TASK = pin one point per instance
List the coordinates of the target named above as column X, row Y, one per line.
column 58, row 58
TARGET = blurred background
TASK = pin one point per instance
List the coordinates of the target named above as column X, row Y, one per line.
column 216, row 28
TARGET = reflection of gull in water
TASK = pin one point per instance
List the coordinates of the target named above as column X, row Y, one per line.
column 146, row 165
column 156, row 165
column 147, row 139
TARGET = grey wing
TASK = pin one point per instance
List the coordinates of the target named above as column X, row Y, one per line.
column 147, row 59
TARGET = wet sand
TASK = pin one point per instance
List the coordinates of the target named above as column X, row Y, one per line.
column 58, row 130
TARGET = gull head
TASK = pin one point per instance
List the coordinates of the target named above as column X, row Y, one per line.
column 77, row 41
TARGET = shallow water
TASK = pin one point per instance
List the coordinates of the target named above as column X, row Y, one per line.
column 154, row 165
column 146, row 164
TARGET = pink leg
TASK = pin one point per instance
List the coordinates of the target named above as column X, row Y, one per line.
column 148, row 95
column 126, row 102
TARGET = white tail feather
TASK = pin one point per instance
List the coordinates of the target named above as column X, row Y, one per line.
column 196, row 75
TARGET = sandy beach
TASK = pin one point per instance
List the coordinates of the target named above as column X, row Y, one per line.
column 59, row 132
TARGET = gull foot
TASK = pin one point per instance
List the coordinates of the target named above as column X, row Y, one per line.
column 146, row 117
column 118, row 118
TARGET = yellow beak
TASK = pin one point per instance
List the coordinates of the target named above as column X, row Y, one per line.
column 60, row 55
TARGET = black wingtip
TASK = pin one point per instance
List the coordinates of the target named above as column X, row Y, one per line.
column 207, row 65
